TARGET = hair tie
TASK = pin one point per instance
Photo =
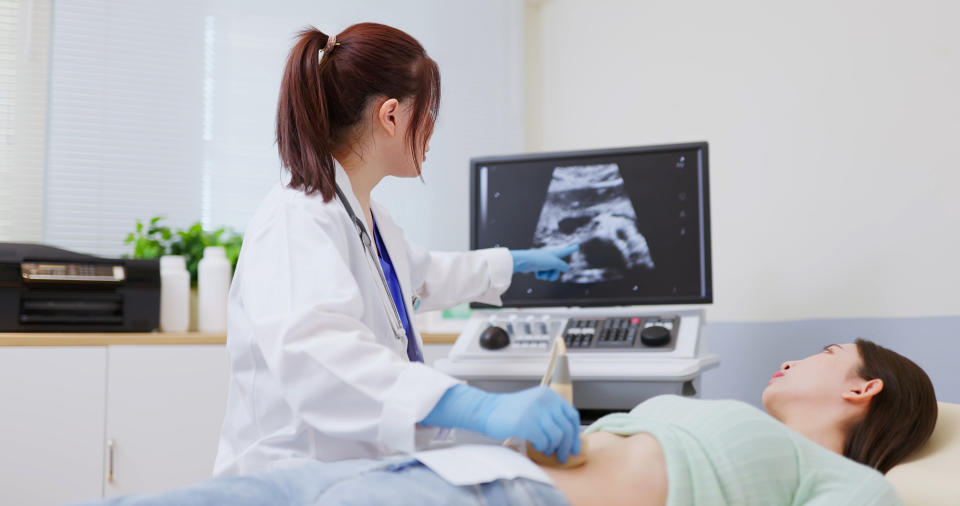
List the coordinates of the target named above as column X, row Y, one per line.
column 331, row 42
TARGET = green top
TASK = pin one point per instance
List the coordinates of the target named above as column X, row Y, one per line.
column 728, row 452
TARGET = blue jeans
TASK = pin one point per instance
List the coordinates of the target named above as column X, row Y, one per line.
column 391, row 481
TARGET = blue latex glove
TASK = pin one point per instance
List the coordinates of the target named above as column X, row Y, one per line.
column 547, row 263
column 538, row 415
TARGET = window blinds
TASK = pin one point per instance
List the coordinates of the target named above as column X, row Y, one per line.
column 168, row 108
column 126, row 108
column 24, row 40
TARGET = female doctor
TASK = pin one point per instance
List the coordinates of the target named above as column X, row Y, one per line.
column 325, row 362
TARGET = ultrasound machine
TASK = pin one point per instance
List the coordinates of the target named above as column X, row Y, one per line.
column 641, row 219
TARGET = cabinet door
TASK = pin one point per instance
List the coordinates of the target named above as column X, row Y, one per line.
column 165, row 406
column 51, row 424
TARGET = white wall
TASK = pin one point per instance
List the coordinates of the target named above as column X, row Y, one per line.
column 833, row 129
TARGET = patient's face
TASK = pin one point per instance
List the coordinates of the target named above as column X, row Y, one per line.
column 817, row 381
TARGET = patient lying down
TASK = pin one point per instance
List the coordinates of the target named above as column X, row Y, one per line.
column 859, row 401
column 835, row 421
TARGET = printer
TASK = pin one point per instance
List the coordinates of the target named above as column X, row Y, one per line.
column 47, row 289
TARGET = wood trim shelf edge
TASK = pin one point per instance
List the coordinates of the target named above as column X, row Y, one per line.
column 142, row 338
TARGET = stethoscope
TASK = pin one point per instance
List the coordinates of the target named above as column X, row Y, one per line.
column 373, row 262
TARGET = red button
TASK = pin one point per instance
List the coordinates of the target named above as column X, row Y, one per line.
column 634, row 321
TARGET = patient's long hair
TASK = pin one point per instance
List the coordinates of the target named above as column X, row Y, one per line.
column 900, row 418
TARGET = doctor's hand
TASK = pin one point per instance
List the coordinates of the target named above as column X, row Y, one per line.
column 538, row 415
column 547, row 263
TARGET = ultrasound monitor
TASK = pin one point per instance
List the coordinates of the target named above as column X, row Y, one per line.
column 640, row 216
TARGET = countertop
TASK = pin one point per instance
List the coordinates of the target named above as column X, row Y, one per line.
column 150, row 338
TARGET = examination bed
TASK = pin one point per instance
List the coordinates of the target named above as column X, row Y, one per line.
column 932, row 476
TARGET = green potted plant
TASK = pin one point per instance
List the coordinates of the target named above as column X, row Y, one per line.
column 152, row 240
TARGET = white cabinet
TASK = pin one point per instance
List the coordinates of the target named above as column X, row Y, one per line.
column 67, row 414
column 165, row 406
column 150, row 413
column 52, row 403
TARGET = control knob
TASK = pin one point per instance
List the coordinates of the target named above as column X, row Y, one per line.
column 494, row 338
column 655, row 336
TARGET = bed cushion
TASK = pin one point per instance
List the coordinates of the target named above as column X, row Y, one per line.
column 930, row 477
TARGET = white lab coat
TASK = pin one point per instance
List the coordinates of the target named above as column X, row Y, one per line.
column 316, row 372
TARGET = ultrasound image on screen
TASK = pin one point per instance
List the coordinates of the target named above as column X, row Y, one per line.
column 588, row 205
column 640, row 217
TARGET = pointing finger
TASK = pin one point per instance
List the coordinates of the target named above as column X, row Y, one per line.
column 566, row 250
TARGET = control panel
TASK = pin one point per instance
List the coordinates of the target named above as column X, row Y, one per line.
column 618, row 356
column 625, row 333
column 596, row 333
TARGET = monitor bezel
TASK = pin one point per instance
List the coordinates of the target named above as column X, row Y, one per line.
column 477, row 162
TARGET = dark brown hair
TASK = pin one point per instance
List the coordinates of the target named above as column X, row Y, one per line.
column 322, row 99
column 900, row 418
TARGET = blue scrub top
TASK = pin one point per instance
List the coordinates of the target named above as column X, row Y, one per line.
column 413, row 351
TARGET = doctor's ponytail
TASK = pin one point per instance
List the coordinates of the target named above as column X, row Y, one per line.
column 326, row 86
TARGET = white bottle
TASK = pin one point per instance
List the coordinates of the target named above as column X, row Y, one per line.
column 174, row 294
column 213, row 280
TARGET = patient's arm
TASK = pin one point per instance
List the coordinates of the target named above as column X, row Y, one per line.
column 619, row 470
